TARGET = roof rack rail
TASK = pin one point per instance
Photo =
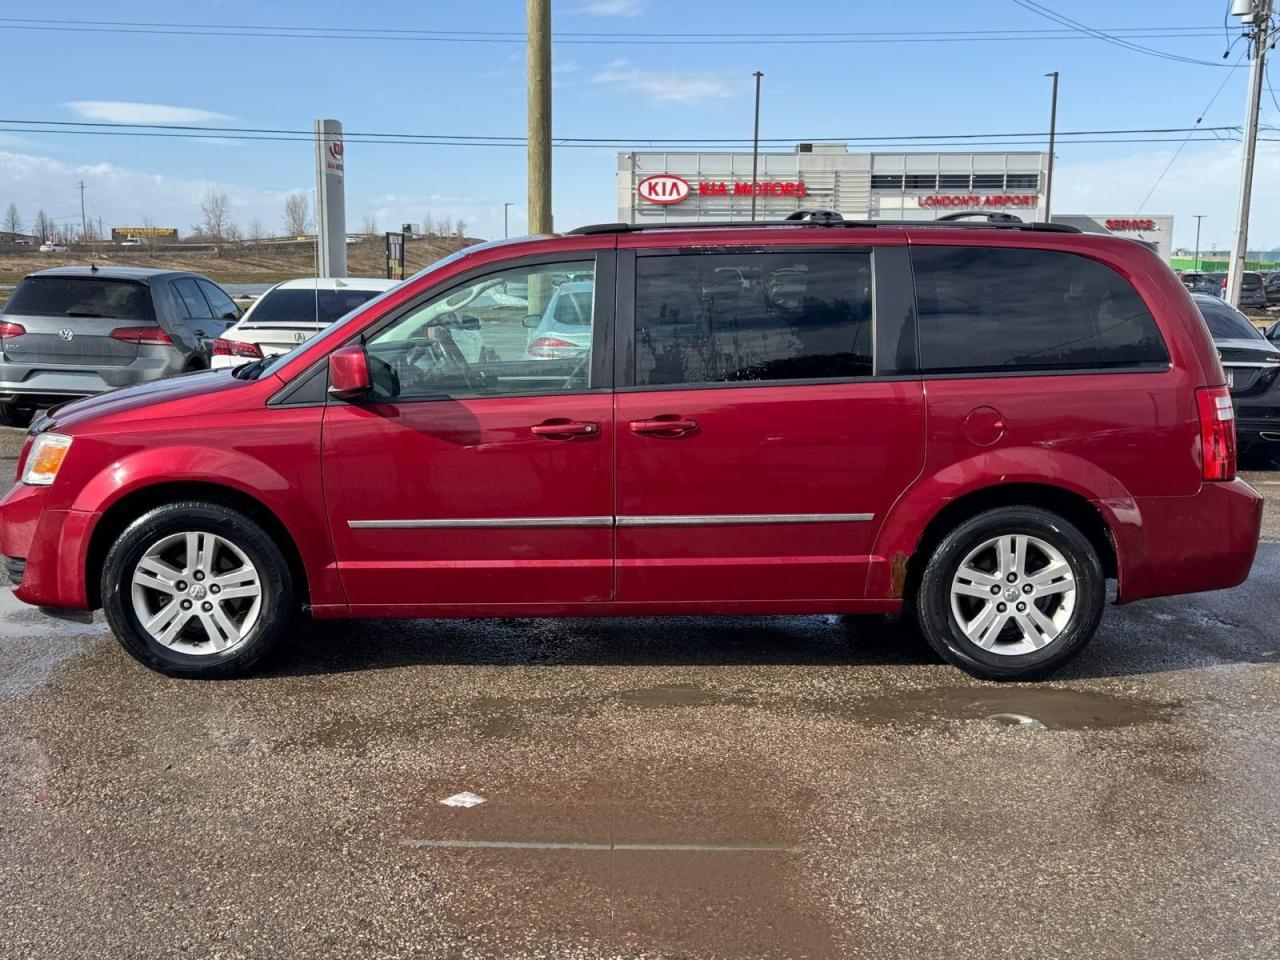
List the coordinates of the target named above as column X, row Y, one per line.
column 829, row 219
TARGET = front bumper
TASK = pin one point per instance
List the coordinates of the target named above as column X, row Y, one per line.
column 52, row 546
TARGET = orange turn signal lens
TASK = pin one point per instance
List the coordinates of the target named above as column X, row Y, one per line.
column 47, row 453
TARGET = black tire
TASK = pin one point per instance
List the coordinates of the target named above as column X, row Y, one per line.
column 14, row 414
column 277, row 592
column 938, row 622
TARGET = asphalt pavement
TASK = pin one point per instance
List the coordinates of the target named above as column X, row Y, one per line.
column 682, row 787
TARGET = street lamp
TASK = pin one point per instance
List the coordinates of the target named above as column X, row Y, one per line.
column 1199, row 217
column 506, row 207
column 1053, row 131
column 755, row 146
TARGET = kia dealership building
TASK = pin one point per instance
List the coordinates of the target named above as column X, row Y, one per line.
column 712, row 187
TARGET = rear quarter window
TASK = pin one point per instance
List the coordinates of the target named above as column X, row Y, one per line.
column 986, row 309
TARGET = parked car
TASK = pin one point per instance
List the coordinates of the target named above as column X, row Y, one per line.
column 1253, row 292
column 130, row 242
column 52, row 247
column 1252, row 365
column 76, row 331
column 1198, row 282
column 290, row 313
column 1032, row 412
column 564, row 328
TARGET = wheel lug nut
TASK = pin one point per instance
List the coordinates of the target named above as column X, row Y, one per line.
column 199, row 575
column 206, row 606
column 1001, row 608
column 995, row 591
column 186, row 604
column 1027, row 588
column 1022, row 607
column 214, row 588
column 180, row 585
column 1012, row 578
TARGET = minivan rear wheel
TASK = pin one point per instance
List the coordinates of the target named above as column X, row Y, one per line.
column 1011, row 594
column 197, row 589
column 14, row 414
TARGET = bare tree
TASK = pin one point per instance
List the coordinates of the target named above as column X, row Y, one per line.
column 370, row 226
column 297, row 215
column 460, row 229
column 215, row 216
column 12, row 222
column 255, row 231
column 42, row 227
column 428, row 226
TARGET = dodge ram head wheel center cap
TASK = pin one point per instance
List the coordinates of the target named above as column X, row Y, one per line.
column 196, row 593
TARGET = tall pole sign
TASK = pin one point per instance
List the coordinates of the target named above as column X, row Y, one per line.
column 331, row 207
column 395, row 256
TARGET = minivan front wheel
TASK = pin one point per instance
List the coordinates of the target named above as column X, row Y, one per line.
column 197, row 589
column 1011, row 594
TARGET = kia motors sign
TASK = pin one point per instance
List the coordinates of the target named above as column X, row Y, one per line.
column 663, row 188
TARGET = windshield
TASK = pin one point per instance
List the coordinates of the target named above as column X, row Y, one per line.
column 307, row 306
column 81, row 297
column 1227, row 323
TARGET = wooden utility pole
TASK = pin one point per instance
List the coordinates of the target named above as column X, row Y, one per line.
column 539, row 83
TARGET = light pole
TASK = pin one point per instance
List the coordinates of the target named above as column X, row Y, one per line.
column 755, row 146
column 1259, row 16
column 1053, row 132
column 1199, row 217
column 506, row 208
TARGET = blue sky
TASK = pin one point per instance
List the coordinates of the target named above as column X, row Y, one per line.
column 631, row 91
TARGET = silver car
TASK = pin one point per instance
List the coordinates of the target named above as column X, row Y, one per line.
column 77, row 331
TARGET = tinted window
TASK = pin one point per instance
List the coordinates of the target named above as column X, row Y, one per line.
column 1227, row 323
column 308, row 306
column 739, row 317
column 525, row 330
column 987, row 309
column 193, row 300
column 223, row 305
column 82, row 297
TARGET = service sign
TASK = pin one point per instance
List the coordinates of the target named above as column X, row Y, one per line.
column 1122, row 225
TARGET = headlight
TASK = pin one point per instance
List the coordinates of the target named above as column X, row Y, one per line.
column 47, row 453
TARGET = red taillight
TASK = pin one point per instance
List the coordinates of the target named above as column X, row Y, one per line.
column 553, row 348
column 236, row 348
column 143, row 336
column 1217, row 433
column 8, row 330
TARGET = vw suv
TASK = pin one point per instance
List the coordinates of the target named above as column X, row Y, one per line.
column 974, row 424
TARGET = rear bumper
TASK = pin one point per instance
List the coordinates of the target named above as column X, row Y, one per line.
column 1190, row 544
column 52, row 546
column 48, row 383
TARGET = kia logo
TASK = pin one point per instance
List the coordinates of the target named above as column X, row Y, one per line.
column 335, row 149
column 663, row 188
column 65, row 334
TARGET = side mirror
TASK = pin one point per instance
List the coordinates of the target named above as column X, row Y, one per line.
column 532, row 321
column 349, row 377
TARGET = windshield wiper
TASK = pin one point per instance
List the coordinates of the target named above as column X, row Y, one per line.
column 251, row 370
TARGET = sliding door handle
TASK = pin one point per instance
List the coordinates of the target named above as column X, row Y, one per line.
column 666, row 425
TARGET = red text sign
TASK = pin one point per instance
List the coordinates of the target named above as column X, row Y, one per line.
column 663, row 188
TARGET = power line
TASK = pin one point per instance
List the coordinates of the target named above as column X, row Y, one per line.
column 262, row 31
column 248, row 133
column 1041, row 10
column 1207, row 107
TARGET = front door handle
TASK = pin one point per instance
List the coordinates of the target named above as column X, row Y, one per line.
column 563, row 429
column 666, row 425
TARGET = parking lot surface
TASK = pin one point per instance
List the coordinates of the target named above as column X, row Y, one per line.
column 776, row 787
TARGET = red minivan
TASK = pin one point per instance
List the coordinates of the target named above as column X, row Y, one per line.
column 975, row 424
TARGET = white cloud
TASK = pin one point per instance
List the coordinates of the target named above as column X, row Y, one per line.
column 1205, row 179
column 614, row 8
column 664, row 86
column 121, row 111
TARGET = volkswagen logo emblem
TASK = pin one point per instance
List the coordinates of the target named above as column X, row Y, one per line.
column 65, row 334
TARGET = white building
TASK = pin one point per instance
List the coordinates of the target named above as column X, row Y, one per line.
column 715, row 187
